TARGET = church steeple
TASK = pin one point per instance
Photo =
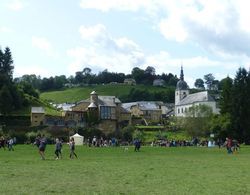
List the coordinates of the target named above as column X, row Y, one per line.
column 182, row 75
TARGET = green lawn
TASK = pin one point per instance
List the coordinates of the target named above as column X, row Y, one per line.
column 76, row 94
column 115, row 171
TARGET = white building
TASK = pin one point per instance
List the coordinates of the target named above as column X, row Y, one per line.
column 184, row 100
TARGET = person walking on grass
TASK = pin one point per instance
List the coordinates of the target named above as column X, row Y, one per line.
column 137, row 144
column 72, row 148
column 10, row 144
column 2, row 142
column 58, row 148
column 42, row 147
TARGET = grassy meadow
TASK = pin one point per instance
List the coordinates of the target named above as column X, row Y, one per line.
column 153, row 170
column 79, row 93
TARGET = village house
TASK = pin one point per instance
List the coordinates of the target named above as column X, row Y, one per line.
column 129, row 81
column 148, row 111
column 107, row 109
column 37, row 116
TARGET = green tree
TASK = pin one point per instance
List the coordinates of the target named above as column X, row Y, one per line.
column 137, row 74
column 6, row 100
column 225, row 102
column 220, row 125
column 127, row 133
column 209, row 78
column 197, row 121
column 199, row 84
column 240, row 113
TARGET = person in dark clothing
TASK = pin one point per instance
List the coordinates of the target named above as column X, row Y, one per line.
column 42, row 147
column 137, row 144
column 2, row 142
column 37, row 141
column 229, row 145
column 58, row 149
column 72, row 148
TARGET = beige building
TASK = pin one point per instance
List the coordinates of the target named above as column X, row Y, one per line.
column 151, row 111
column 37, row 116
column 129, row 81
column 105, row 110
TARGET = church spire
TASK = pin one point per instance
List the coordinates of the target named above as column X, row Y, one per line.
column 182, row 75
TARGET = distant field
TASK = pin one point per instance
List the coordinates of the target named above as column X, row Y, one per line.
column 76, row 94
column 115, row 171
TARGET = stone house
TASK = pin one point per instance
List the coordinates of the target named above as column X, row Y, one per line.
column 37, row 116
column 129, row 81
column 107, row 109
column 151, row 111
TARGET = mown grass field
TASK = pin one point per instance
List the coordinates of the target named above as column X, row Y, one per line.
column 115, row 171
column 76, row 94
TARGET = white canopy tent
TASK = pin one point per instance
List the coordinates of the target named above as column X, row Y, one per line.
column 78, row 139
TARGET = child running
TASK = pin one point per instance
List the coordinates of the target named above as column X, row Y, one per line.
column 72, row 148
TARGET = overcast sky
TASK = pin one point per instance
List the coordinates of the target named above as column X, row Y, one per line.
column 55, row 37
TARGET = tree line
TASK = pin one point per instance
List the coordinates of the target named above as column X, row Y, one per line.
column 86, row 77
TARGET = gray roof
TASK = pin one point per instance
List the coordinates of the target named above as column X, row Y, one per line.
column 103, row 101
column 108, row 100
column 196, row 97
column 92, row 105
column 37, row 110
column 93, row 93
column 181, row 85
column 144, row 105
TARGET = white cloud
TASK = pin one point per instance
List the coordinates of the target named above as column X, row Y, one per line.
column 16, row 5
column 93, row 33
column 36, row 69
column 121, row 5
column 44, row 45
column 103, row 51
column 213, row 25
column 4, row 29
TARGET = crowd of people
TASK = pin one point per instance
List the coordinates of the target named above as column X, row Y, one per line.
column 101, row 142
column 232, row 146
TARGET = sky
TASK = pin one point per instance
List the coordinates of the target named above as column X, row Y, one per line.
column 60, row 37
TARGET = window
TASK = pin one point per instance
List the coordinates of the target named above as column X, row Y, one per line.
column 181, row 110
column 105, row 112
column 178, row 110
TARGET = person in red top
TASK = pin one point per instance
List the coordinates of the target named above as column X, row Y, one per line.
column 229, row 145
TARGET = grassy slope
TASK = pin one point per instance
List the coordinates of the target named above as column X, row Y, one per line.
column 115, row 171
column 34, row 102
column 77, row 94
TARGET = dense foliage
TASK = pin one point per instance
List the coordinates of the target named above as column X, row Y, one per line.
column 235, row 107
column 86, row 77
column 12, row 95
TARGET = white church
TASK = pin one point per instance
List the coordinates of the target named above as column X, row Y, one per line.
column 184, row 100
